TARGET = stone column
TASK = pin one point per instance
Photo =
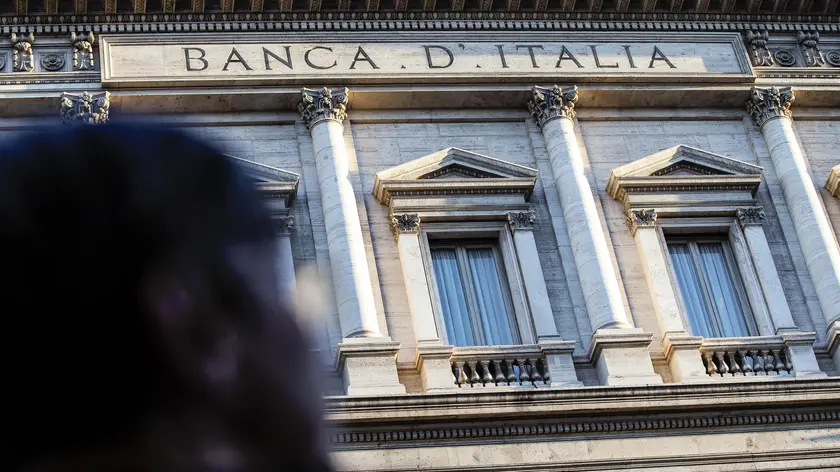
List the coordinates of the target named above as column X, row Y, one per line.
column 553, row 109
column 85, row 108
column 751, row 220
column 323, row 112
column 770, row 108
column 286, row 279
column 365, row 358
column 681, row 349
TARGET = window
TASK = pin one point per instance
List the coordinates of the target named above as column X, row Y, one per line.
column 709, row 287
column 473, row 293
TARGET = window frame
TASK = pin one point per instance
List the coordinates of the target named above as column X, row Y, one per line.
column 692, row 241
column 492, row 233
column 739, row 262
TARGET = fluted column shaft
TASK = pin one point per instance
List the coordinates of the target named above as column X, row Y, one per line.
column 770, row 108
column 323, row 111
column 553, row 109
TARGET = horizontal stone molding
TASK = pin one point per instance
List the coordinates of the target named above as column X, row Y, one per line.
column 550, row 429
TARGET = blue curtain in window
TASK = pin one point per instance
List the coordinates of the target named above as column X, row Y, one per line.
column 488, row 292
column 724, row 296
column 698, row 315
column 452, row 298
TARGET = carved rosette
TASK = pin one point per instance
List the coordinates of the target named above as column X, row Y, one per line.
column 759, row 54
column 554, row 102
column 88, row 109
column 521, row 219
column 767, row 103
column 323, row 104
column 810, row 51
column 283, row 224
column 83, row 58
column 640, row 219
column 750, row 216
column 405, row 223
column 23, row 59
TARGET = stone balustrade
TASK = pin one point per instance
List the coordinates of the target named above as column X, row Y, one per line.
column 759, row 356
column 500, row 366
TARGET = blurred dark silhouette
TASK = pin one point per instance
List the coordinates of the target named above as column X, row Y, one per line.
column 143, row 328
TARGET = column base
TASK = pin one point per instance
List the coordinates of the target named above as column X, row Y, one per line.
column 560, row 363
column 433, row 362
column 833, row 343
column 682, row 351
column 621, row 357
column 368, row 366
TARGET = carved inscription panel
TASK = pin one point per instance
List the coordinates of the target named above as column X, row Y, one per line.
column 438, row 58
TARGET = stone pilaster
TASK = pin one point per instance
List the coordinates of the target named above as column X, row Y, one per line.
column 85, row 108
column 770, row 108
column 681, row 349
column 553, row 110
column 286, row 279
column 365, row 358
column 522, row 225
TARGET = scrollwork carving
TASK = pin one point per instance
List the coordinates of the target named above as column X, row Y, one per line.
column 83, row 58
column 808, row 42
column 405, row 223
column 91, row 109
column 833, row 58
column 767, row 103
column 552, row 102
column 759, row 54
column 750, row 216
column 323, row 104
column 645, row 218
column 522, row 219
column 22, row 55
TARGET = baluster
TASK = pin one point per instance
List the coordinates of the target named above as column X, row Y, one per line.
column 523, row 372
column 474, row 378
column 788, row 364
column 723, row 369
column 546, row 374
column 462, row 374
column 486, row 378
column 780, row 364
column 711, row 368
column 511, row 376
column 500, row 375
column 747, row 362
column 535, row 372
column 759, row 363
column 733, row 364
column 770, row 363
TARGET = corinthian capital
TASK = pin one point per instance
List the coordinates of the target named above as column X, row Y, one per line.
column 405, row 223
column 283, row 224
column 88, row 109
column 552, row 102
column 750, row 216
column 522, row 219
column 640, row 219
column 767, row 103
column 323, row 104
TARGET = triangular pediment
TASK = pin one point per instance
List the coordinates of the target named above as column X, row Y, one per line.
column 270, row 180
column 682, row 160
column 683, row 169
column 454, row 170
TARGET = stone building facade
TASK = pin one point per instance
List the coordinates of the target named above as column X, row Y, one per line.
column 555, row 235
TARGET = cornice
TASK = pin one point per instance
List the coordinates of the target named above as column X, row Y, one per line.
column 484, row 405
column 418, row 21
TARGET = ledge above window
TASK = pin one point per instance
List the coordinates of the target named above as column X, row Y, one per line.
column 685, row 181
column 455, row 184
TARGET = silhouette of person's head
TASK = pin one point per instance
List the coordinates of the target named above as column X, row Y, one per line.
column 143, row 325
